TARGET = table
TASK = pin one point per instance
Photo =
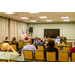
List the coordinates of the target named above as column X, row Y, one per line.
column 61, row 46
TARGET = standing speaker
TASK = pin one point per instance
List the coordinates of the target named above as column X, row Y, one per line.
column 31, row 29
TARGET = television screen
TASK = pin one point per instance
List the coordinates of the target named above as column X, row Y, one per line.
column 52, row 33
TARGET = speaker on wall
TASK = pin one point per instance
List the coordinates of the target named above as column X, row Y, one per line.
column 31, row 29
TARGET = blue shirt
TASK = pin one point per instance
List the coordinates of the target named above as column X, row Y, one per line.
column 36, row 39
column 57, row 40
column 29, row 47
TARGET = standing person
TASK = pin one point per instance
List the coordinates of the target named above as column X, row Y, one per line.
column 35, row 40
column 57, row 40
column 23, row 36
column 51, row 48
column 29, row 47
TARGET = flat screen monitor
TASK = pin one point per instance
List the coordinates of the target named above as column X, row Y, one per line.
column 52, row 33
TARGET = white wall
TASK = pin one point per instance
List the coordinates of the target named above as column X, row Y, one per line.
column 67, row 30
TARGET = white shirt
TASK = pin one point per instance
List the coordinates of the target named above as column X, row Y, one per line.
column 23, row 36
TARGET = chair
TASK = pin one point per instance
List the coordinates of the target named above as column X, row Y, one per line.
column 40, row 47
column 1, row 45
column 46, row 46
column 21, row 44
column 73, row 57
column 39, row 55
column 57, row 48
column 28, row 55
column 3, row 60
column 14, row 46
column 10, row 42
column 20, row 40
column 25, row 43
column 51, row 56
column 63, row 56
column 66, row 49
column 70, row 44
column 17, row 61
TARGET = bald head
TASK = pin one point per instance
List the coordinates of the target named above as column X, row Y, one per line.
column 36, row 36
column 29, row 41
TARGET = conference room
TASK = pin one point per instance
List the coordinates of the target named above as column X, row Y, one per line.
column 26, row 27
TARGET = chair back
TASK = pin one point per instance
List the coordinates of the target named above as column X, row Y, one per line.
column 73, row 57
column 3, row 60
column 21, row 44
column 14, row 46
column 1, row 45
column 63, row 56
column 25, row 43
column 39, row 55
column 40, row 47
column 66, row 49
column 57, row 48
column 28, row 55
column 20, row 40
column 10, row 42
column 51, row 56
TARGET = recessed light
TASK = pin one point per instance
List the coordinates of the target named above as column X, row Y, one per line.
column 33, row 21
column 43, row 17
column 66, row 20
column 9, row 12
column 48, row 20
column 33, row 12
column 65, row 17
column 24, row 17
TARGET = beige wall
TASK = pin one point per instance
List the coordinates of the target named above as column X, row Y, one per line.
column 67, row 30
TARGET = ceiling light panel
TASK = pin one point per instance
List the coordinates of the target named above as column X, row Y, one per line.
column 48, row 20
column 9, row 12
column 43, row 17
column 66, row 20
column 24, row 17
column 65, row 17
column 33, row 21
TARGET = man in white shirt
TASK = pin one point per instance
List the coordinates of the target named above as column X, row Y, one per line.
column 23, row 36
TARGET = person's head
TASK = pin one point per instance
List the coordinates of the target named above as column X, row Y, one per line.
column 45, row 37
column 39, row 40
column 57, row 37
column 29, row 41
column 23, row 32
column 26, row 38
column 14, row 40
column 6, row 38
column 5, row 47
column 48, row 39
column 36, row 36
column 51, row 43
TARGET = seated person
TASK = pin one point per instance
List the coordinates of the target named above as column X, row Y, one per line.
column 45, row 38
column 14, row 42
column 57, row 40
column 26, row 40
column 6, row 40
column 5, row 54
column 35, row 40
column 39, row 43
column 29, row 47
column 48, row 40
column 51, row 48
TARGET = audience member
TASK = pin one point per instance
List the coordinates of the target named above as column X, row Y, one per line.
column 5, row 54
column 39, row 43
column 35, row 40
column 29, row 47
column 57, row 40
column 51, row 48
column 23, row 36
column 45, row 38
column 6, row 40
column 70, row 53
column 14, row 42
column 26, row 40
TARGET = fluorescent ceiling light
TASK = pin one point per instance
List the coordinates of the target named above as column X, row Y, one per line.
column 9, row 12
column 65, row 17
column 24, row 17
column 43, row 17
column 48, row 20
column 33, row 21
column 66, row 20
column 33, row 12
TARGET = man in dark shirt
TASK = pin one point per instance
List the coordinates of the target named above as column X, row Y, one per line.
column 51, row 48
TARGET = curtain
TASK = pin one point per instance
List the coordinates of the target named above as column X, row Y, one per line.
column 3, row 29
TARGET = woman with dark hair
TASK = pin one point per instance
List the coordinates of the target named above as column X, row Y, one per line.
column 14, row 42
column 51, row 48
column 6, row 40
